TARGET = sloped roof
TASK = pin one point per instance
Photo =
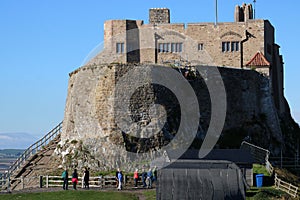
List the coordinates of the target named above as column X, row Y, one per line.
column 259, row 60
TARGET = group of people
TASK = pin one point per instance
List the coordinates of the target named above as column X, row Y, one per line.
column 147, row 178
column 65, row 177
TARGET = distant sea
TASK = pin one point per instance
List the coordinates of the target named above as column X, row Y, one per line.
column 16, row 140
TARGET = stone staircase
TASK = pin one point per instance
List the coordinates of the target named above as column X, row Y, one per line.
column 36, row 161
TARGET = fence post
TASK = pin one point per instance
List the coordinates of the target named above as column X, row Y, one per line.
column 8, row 185
column 124, row 181
column 47, row 181
column 82, row 182
column 22, row 182
column 101, row 182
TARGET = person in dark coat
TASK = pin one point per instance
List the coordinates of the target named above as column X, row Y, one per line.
column 144, row 177
column 65, row 178
column 86, row 178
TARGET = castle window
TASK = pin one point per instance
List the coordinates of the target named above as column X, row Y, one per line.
column 160, row 47
column 225, row 46
column 230, row 46
column 178, row 47
column 200, row 46
column 166, row 47
column 169, row 47
column 173, row 47
column 235, row 46
column 120, row 47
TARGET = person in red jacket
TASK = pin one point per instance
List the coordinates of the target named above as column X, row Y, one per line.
column 75, row 179
column 136, row 177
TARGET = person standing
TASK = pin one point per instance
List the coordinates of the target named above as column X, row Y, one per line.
column 154, row 174
column 74, row 179
column 136, row 177
column 120, row 179
column 117, row 179
column 149, row 178
column 65, row 179
column 86, row 178
column 144, row 177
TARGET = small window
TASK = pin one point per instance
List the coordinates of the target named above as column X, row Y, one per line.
column 230, row 46
column 166, row 47
column 120, row 47
column 173, row 47
column 160, row 47
column 235, row 46
column 225, row 46
column 179, row 47
column 200, row 47
column 169, row 47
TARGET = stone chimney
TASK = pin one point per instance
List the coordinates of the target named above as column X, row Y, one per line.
column 243, row 13
column 159, row 15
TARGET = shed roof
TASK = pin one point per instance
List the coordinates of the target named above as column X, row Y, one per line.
column 238, row 156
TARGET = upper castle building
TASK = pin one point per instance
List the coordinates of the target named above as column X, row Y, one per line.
column 246, row 43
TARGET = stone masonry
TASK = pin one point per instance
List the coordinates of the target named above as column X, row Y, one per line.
column 90, row 113
column 195, row 43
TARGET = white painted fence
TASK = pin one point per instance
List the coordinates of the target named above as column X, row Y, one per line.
column 286, row 187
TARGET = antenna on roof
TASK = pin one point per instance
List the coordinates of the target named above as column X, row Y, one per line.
column 254, row 1
column 216, row 4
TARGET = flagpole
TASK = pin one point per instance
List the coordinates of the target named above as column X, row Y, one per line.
column 254, row 1
column 216, row 5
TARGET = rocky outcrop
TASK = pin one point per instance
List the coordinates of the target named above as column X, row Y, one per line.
column 93, row 117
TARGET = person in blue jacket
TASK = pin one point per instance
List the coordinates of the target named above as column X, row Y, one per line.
column 149, row 178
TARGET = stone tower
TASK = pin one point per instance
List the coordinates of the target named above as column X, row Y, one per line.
column 159, row 16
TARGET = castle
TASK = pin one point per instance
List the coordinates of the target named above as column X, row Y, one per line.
column 247, row 59
column 245, row 43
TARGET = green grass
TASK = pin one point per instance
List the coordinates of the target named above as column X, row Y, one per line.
column 260, row 169
column 265, row 193
column 150, row 195
column 71, row 195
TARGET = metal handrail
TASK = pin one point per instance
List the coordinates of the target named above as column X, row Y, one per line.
column 34, row 148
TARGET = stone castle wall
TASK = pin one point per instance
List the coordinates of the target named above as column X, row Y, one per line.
column 90, row 112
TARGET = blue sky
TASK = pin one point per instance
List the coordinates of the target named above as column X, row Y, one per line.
column 41, row 42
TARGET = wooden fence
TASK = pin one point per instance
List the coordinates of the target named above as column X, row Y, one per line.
column 269, row 167
column 286, row 187
column 94, row 182
column 261, row 156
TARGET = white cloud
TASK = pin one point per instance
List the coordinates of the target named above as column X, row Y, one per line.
column 16, row 140
column 5, row 137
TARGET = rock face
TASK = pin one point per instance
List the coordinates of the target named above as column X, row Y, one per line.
column 93, row 116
